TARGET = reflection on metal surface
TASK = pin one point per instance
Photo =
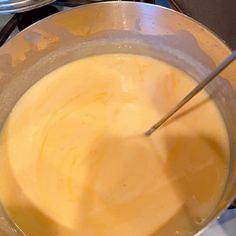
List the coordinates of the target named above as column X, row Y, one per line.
column 73, row 3
column 15, row 6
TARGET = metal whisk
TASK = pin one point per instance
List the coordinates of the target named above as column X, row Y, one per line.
column 228, row 60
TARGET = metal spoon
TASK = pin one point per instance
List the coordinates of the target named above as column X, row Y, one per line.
column 194, row 92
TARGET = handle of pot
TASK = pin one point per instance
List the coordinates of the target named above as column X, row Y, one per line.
column 233, row 205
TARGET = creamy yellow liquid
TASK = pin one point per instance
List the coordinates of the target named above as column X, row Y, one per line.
column 74, row 160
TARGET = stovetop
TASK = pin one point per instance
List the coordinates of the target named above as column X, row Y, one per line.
column 218, row 15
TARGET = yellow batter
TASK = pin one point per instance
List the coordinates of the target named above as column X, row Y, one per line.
column 74, row 161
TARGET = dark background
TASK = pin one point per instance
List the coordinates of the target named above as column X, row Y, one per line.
column 218, row 15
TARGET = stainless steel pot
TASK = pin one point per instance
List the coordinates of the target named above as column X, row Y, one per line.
column 119, row 27
column 16, row 6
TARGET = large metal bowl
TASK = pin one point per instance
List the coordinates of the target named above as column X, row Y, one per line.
column 119, row 27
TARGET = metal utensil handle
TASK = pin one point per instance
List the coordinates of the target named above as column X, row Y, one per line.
column 195, row 91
